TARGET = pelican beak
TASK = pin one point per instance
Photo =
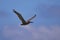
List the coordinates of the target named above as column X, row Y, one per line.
column 31, row 22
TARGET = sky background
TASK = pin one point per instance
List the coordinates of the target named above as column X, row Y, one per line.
column 46, row 25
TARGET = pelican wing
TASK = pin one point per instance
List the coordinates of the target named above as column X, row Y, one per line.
column 32, row 17
column 20, row 16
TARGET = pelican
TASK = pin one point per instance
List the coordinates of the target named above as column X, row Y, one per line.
column 22, row 19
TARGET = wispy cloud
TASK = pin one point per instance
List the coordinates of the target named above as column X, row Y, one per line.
column 31, row 33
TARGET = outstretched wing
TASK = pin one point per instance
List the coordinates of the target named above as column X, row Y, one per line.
column 20, row 16
column 32, row 17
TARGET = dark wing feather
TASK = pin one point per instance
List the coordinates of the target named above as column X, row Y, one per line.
column 20, row 16
column 32, row 17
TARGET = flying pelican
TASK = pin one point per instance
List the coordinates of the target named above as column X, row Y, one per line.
column 22, row 19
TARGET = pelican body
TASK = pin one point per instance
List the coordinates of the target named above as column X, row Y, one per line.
column 22, row 19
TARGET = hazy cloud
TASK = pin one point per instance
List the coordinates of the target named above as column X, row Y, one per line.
column 31, row 33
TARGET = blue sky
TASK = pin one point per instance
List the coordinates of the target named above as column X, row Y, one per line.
column 46, row 22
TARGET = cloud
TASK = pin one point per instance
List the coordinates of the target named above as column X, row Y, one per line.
column 31, row 33
column 45, row 33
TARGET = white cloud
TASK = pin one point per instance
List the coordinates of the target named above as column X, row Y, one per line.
column 45, row 33
column 32, row 33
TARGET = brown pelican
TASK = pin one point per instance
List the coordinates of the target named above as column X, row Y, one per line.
column 22, row 19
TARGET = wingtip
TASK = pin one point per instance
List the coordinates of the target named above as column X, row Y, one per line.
column 35, row 14
column 13, row 9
